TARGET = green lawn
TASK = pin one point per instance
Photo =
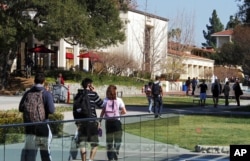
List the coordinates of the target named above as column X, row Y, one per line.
column 188, row 131
column 168, row 101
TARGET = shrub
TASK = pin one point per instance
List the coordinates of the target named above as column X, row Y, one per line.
column 14, row 134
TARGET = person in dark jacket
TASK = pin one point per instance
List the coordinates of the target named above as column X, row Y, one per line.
column 194, row 84
column 187, row 84
column 43, row 130
column 203, row 93
column 216, row 91
column 237, row 92
column 88, row 132
column 226, row 91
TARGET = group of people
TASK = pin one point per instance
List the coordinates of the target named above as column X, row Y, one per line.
column 40, row 136
column 154, row 93
column 191, row 85
column 217, row 90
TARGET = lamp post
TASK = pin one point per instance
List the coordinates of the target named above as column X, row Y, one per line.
column 29, row 13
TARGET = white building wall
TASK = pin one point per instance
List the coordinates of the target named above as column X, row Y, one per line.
column 196, row 67
column 133, row 46
column 134, row 43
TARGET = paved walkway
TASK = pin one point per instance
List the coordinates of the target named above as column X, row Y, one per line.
column 136, row 148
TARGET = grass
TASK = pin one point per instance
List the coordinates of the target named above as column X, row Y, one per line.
column 189, row 131
column 168, row 101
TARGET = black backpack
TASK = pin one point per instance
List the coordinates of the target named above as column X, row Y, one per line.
column 81, row 105
column 156, row 89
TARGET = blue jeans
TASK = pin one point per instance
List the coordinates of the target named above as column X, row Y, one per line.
column 157, row 105
column 150, row 103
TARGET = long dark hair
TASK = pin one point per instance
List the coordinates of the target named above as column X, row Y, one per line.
column 111, row 92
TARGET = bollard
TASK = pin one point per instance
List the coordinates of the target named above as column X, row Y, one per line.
column 68, row 98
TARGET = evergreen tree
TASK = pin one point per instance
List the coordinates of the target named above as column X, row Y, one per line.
column 244, row 11
column 215, row 26
column 233, row 22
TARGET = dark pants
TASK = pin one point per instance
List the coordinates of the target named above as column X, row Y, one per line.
column 193, row 89
column 237, row 97
column 157, row 105
column 41, row 139
column 113, row 138
column 226, row 99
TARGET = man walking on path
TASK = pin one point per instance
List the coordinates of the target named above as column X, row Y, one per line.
column 36, row 105
column 187, row 84
column 194, row 84
column 88, row 130
column 203, row 94
column 226, row 91
column 157, row 94
column 216, row 91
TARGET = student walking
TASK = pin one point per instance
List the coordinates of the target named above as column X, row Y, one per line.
column 194, row 84
column 203, row 90
column 87, row 130
column 226, row 91
column 216, row 90
column 187, row 84
column 148, row 92
column 237, row 92
column 157, row 94
column 37, row 136
column 112, row 108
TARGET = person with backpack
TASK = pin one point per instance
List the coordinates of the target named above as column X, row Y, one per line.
column 112, row 108
column 148, row 92
column 157, row 94
column 237, row 91
column 216, row 91
column 36, row 104
column 85, row 103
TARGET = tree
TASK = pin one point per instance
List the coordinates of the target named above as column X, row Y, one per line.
column 241, row 38
column 180, row 41
column 91, row 23
column 244, row 11
column 215, row 26
column 117, row 64
column 230, row 54
column 233, row 22
column 174, row 66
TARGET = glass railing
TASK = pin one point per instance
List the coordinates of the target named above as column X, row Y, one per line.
column 173, row 137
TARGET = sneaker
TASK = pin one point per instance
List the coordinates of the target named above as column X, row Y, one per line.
column 160, row 116
column 156, row 116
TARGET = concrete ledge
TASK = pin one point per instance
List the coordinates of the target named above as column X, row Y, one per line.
column 212, row 149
